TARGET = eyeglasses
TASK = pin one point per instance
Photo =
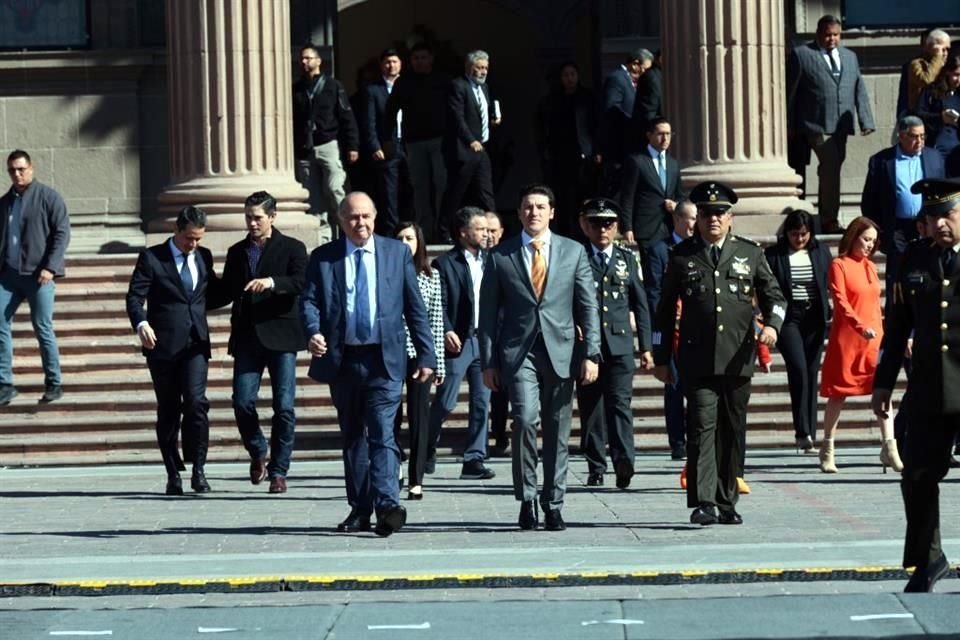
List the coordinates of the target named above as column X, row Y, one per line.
column 602, row 222
column 13, row 170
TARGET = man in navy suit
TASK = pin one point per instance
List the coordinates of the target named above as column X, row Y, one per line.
column 461, row 272
column 651, row 188
column 173, row 280
column 887, row 199
column 470, row 119
column 684, row 225
column 619, row 96
column 389, row 161
column 360, row 289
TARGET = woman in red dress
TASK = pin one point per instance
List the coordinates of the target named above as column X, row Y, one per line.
column 855, row 337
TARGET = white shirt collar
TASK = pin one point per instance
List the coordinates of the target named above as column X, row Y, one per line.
column 470, row 257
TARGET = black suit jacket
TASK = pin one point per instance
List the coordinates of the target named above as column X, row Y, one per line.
column 178, row 318
column 778, row 257
column 463, row 118
column 648, row 103
column 657, row 257
column 879, row 198
column 458, row 298
column 376, row 131
column 642, row 197
column 271, row 317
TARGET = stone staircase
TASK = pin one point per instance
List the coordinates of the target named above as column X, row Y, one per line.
column 108, row 409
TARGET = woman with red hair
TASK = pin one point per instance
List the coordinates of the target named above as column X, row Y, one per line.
column 855, row 337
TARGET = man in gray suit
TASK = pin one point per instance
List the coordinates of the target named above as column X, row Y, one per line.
column 824, row 92
column 544, row 284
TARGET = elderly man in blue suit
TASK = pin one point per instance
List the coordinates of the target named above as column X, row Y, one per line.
column 360, row 291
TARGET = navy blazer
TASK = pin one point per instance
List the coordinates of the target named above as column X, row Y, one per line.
column 619, row 95
column 657, row 257
column 878, row 201
column 375, row 129
column 458, row 298
column 463, row 118
column 323, row 308
column 642, row 196
column 778, row 257
column 170, row 310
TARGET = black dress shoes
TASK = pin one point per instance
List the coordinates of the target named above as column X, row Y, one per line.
column 922, row 580
column 527, row 520
column 258, row 470
column 390, row 521
column 705, row 514
column 678, row 452
column 354, row 522
column 730, row 517
column 624, row 472
column 278, row 484
column 553, row 521
column 174, row 486
column 476, row 470
column 198, row 481
column 595, row 480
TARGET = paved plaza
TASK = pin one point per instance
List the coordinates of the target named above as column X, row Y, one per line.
column 626, row 556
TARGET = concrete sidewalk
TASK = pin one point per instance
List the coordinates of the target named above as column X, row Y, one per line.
column 114, row 524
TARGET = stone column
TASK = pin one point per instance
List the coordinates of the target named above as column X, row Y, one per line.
column 230, row 114
column 725, row 94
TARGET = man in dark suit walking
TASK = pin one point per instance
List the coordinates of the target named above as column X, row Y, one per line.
column 825, row 91
column 655, row 268
column 174, row 279
column 537, row 289
column 263, row 277
column 651, row 188
column 389, row 161
column 359, row 291
column 461, row 272
column 470, row 119
column 615, row 130
column 605, row 413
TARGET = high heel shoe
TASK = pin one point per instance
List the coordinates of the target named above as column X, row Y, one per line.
column 805, row 444
column 415, row 493
column 890, row 457
column 827, row 462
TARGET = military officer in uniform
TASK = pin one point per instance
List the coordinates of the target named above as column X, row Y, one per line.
column 605, row 414
column 715, row 274
column 926, row 307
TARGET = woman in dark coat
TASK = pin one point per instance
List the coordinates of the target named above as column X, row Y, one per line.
column 800, row 264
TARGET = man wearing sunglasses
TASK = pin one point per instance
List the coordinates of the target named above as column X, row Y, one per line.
column 34, row 234
column 605, row 415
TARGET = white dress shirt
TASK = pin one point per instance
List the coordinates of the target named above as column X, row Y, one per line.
column 475, row 266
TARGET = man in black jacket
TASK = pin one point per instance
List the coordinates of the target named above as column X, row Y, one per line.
column 323, row 127
column 173, row 280
column 470, row 119
column 651, row 188
column 263, row 277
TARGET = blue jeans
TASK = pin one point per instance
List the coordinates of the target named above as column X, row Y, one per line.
column 467, row 364
column 14, row 289
column 249, row 361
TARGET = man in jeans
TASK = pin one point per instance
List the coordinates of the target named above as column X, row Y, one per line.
column 323, row 127
column 34, row 234
column 263, row 277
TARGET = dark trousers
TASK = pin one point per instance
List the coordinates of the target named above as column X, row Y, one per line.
column 391, row 180
column 716, row 423
column 499, row 409
column 367, row 401
column 469, row 182
column 249, row 361
column 925, row 464
column 673, row 410
column 180, row 386
column 605, row 414
column 801, row 344
column 418, row 421
column 428, row 180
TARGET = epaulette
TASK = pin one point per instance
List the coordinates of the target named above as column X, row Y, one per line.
column 748, row 240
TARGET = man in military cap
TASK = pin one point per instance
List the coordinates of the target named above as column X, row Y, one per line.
column 925, row 307
column 716, row 276
column 605, row 414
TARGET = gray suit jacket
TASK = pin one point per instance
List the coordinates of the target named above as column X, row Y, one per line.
column 816, row 103
column 511, row 316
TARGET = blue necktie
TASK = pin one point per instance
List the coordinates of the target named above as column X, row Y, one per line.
column 361, row 307
column 663, row 171
column 185, row 276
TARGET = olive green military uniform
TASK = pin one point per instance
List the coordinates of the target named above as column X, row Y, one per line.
column 715, row 358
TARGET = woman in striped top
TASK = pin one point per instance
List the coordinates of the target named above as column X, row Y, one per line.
column 418, row 391
column 800, row 263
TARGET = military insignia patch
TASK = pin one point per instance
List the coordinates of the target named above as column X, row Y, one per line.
column 622, row 269
column 740, row 266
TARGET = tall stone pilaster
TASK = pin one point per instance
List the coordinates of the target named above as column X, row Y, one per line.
column 231, row 129
column 725, row 93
